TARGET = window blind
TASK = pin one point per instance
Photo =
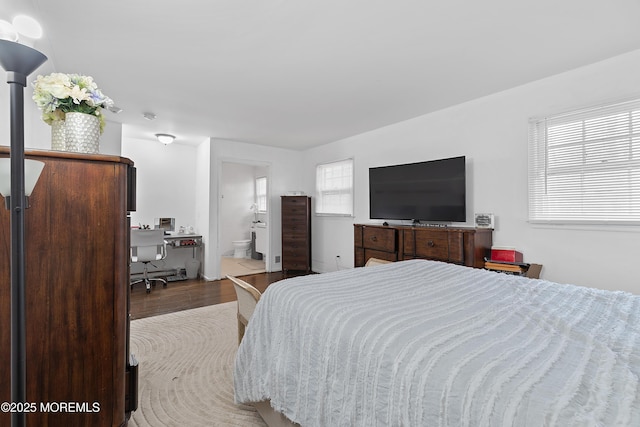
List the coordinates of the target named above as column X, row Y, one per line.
column 261, row 193
column 584, row 166
column 334, row 188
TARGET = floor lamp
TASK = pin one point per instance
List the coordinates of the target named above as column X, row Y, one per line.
column 19, row 61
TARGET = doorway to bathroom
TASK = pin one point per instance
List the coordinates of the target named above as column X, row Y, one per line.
column 244, row 219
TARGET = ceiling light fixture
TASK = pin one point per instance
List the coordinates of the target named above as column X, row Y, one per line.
column 149, row 116
column 165, row 138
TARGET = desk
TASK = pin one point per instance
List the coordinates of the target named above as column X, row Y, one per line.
column 176, row 244
column 173, row 267
column 184, row 241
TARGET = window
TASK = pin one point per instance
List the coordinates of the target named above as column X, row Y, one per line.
column 261, row 193
column 334, row 188
column 584, row 166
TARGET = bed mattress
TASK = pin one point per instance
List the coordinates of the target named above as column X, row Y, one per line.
column 424, row 343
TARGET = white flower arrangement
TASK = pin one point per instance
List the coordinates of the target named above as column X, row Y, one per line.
column 58, row 94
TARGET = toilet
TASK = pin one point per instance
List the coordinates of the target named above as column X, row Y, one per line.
column 240, row 248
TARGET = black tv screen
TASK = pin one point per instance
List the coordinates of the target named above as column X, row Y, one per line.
column 425, row 191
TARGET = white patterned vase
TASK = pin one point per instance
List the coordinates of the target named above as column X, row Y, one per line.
column 82, row 133
column 57, row 135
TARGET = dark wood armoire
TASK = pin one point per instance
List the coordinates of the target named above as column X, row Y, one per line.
column 77, row 291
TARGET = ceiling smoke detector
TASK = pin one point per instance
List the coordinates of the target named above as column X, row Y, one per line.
column 149, row 116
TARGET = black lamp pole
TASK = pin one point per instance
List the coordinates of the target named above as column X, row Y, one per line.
column 19, row 61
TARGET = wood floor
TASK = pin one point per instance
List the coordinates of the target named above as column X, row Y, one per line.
column 187, row 294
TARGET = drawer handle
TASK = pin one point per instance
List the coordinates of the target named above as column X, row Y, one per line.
column 374, row 239
column 430, row 243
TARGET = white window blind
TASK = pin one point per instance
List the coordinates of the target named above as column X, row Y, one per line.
column 584, row 166
column 261, row 193
column 334, row 188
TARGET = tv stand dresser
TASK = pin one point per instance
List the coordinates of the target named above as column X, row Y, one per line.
column 458, row 245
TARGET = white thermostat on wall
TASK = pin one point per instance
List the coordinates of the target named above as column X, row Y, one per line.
column 484, row 220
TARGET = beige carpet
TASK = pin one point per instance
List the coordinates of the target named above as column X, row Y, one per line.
column 186, row 366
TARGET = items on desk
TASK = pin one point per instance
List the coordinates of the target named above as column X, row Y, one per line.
column 186, row 230
column 185, row 242
column 168, row 224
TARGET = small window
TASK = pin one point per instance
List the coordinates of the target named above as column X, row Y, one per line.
column 584, row 166
column 261, row 193
column 334, row 188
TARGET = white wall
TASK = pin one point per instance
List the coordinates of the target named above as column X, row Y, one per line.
column 492, row 133
column 166, row 181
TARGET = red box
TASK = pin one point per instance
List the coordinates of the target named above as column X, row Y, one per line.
column 505, row 254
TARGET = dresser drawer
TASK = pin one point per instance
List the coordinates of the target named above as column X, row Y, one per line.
column 292, row 203
column 430, row 244
column 294, row 223
column 295, row 252
column 295, row 239
column 382, row 239
column 291, row 264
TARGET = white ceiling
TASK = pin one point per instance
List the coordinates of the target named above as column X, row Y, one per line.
column 296, row 73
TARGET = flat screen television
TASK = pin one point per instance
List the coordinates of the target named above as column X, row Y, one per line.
column 425, row 191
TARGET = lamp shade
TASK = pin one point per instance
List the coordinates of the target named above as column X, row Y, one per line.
column 32, row 171
column 7, row 31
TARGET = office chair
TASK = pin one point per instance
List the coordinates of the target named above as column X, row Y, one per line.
column 148, row 246
column 248, row 297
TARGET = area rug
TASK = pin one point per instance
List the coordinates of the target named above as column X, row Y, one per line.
column 186, row 366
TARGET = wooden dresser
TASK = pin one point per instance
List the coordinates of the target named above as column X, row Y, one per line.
column 465, row 246
column 296, row 233
column 77, row 291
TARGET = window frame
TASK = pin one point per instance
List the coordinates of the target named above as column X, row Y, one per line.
column 575, row 157
column 319, row 203
column 259, row 196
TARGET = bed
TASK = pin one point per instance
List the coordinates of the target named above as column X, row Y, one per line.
column 425, row 343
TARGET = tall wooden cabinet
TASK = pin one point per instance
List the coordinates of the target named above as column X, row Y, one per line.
column 296, row 233
column 458, row 245
column 77, row 291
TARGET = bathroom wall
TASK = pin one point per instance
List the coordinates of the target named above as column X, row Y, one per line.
column 237, row 196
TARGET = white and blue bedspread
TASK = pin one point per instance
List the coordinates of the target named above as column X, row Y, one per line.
column 422, row 343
